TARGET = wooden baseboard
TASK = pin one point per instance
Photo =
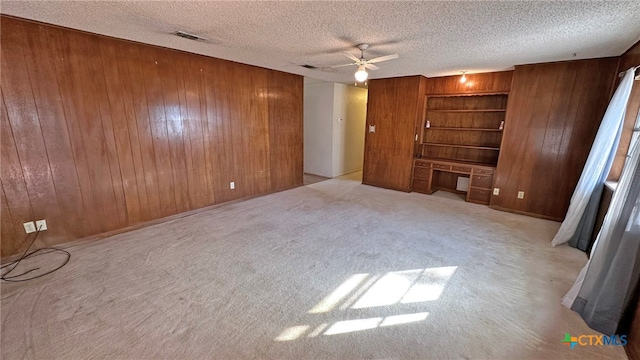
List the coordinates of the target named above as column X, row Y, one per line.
column 74, row 243
column 386, row 187
column 539, row 216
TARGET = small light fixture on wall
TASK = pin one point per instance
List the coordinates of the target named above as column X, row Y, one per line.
column 361, row 74
column 463, row 78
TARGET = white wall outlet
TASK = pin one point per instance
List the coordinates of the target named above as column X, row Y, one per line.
column 232, row 185
column 41, row 225
column 29, row 227
column 520, row 194
column 496, row 191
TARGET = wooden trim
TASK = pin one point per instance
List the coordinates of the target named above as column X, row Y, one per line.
column 463, row 146
column 387, row 187
column 539, row 216
column 467, row 111
column 78, row 242
column 460, row 128
column 568, row 61
column 467, row 94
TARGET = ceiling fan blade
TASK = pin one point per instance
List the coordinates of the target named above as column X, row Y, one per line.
column 350, row 56
column 337, row 66
column 383, row 58
column 371, row 67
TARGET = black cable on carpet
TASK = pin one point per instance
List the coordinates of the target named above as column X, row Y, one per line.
column 5, row 276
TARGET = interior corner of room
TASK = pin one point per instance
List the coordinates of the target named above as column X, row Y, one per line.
column 304, row 207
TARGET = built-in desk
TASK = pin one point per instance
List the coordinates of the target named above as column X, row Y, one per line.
column 431, row 174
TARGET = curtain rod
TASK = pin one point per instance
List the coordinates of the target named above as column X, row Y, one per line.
column 621, row 74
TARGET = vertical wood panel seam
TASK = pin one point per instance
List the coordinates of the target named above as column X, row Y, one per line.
column 44, row 143
column 166, row 125
column 186, row 127
column 125, row 77
column 153, row 143
column 137, row 135
column 26, row 188
column 96, row 202
column 106, row 90
column 546, row 129
column 17, row 244
column 66, row 123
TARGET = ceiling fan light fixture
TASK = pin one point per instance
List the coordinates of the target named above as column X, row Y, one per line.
column 361, row 74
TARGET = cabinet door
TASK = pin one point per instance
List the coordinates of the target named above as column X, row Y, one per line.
column 391, row 108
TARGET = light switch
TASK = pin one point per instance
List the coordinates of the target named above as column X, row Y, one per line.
column 372, row 128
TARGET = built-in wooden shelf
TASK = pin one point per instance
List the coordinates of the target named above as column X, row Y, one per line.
column 460, row 128
column 461, row 161
column 488, row 93
column 463, row 140
column 464, row 146
column 467, row 110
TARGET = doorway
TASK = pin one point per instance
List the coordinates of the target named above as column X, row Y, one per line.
column 334, row 128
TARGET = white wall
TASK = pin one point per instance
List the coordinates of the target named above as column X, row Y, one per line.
column 334, row 125
column 318, row 128
column 349, row 117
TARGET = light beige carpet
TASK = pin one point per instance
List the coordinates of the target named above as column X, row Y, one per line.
column 310, row 179
column 334, row 270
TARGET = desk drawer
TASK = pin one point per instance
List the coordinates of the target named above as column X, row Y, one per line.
column 420, row 185
column 483, row 171
column 482, row 181
column 442, row 167
column 463, row 169
column 421, row 172
column 423, row 164
column 481, row 196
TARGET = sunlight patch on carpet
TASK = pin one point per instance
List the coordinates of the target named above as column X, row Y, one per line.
column 383, row 291
column 328, row 303
column 292, row 333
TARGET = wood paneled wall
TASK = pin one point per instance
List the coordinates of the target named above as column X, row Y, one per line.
column 553, row 114
column 394, row 106
column 476, row 83
column 100, row 134
column 629, row 59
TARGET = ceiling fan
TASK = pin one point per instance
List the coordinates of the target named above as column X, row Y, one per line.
column 363, row 64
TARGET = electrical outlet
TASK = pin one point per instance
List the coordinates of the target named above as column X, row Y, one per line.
column 496, row 191
column 29, row 227
column 41, row 225
column 520, row 194
column 232, row 185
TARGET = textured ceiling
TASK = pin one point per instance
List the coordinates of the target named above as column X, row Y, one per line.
column 432, row 38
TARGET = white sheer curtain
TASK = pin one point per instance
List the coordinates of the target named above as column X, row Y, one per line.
column 599, row 161
column 621, row 194
column 607, row 283
column 604, row 287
